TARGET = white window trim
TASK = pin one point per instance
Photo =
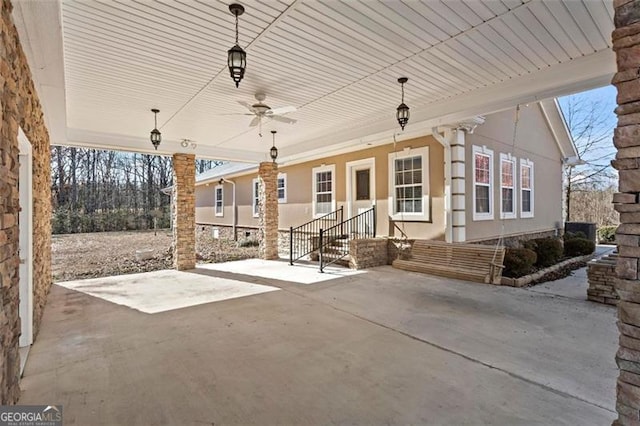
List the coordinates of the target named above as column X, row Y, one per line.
column 215, row 200
column 409, row 152
column 331, row 168
column 527, row 163
column 255, row 198
column 284, row 177
column 509, row 158
column 482, row 150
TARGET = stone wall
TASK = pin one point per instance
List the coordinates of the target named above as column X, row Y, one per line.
column 20, row 108
column 368, row 253
column 398, row 248
column 601, row 274
column 626, row 44
column 184, row 211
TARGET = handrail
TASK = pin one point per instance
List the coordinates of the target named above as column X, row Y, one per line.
column 395, row 225
column 362, row 225
column 303, row 238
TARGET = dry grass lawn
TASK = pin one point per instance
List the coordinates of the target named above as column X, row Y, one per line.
column 100, row 254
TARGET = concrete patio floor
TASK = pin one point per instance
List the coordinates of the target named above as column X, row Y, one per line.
column 382, row 347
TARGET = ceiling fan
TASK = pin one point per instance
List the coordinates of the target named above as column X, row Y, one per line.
column 262, row 110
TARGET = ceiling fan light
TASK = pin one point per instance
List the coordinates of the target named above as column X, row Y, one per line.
column 261, row 108
column 237, row 62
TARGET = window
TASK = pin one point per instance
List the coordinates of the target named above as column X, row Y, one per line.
column 482, row 187
column 507, row 187
column 219, row 201
column 526, row 188
column 282, row 187
column 256, row 197
column 323, row 190
column 363, row 187
column 409, row 184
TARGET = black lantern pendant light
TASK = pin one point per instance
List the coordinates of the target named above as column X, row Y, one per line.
column 273, row 152
column 237, row 58
column 402, row 113
column 156, row 136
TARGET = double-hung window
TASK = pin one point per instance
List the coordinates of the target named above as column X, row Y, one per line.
column 482, row 183
column 219, row 200
column 526, row 188
column 282, row 187
column 409, row 184
column 255, row 185
column 507, row 186
column 324, row 200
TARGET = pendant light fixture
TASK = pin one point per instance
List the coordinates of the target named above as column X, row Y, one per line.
column 236, row 57
column 273, row 152
column 402, row 112
column 156, row 136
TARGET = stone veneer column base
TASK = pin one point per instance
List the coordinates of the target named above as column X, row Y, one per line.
column 268, row 208
column 184, row 211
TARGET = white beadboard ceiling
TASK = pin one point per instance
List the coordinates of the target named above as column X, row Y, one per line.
column 100, row 66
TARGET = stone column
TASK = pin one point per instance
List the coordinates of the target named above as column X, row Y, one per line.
column 268, row 208
column 626, row 43
column 458, row 198
column 183, row 198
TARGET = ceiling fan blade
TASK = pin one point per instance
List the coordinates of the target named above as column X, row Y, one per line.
column 255, row 121
column 237, row 113
column 282, row 110
column 283, row 119
column 246, row 105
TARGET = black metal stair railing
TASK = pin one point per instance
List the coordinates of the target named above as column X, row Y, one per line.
column 303, row 239
column 334, row 241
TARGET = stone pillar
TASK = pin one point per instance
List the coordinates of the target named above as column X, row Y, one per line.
column 458, row 199
column 626, row 43
column 268, row 208
column 183, row 197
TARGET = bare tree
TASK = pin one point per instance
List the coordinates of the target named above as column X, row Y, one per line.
column 591, row 125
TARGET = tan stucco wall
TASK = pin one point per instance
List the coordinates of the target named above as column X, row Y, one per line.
column 535, row 142
column 298, row 209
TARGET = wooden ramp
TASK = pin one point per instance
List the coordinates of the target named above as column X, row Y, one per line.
column 473, row 262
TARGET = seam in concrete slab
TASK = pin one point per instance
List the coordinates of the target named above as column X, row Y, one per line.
column 467, row 357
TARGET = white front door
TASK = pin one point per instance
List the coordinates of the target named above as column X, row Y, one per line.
column 25, row 225
column 361, row 185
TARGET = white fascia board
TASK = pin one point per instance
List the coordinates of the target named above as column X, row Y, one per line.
column 558, row 126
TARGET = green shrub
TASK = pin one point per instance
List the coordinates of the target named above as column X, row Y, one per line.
column 549, row 251
column 518, row 262
column 607, row 234
column 572, row 235
column 248, row 242
column 579, row 247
